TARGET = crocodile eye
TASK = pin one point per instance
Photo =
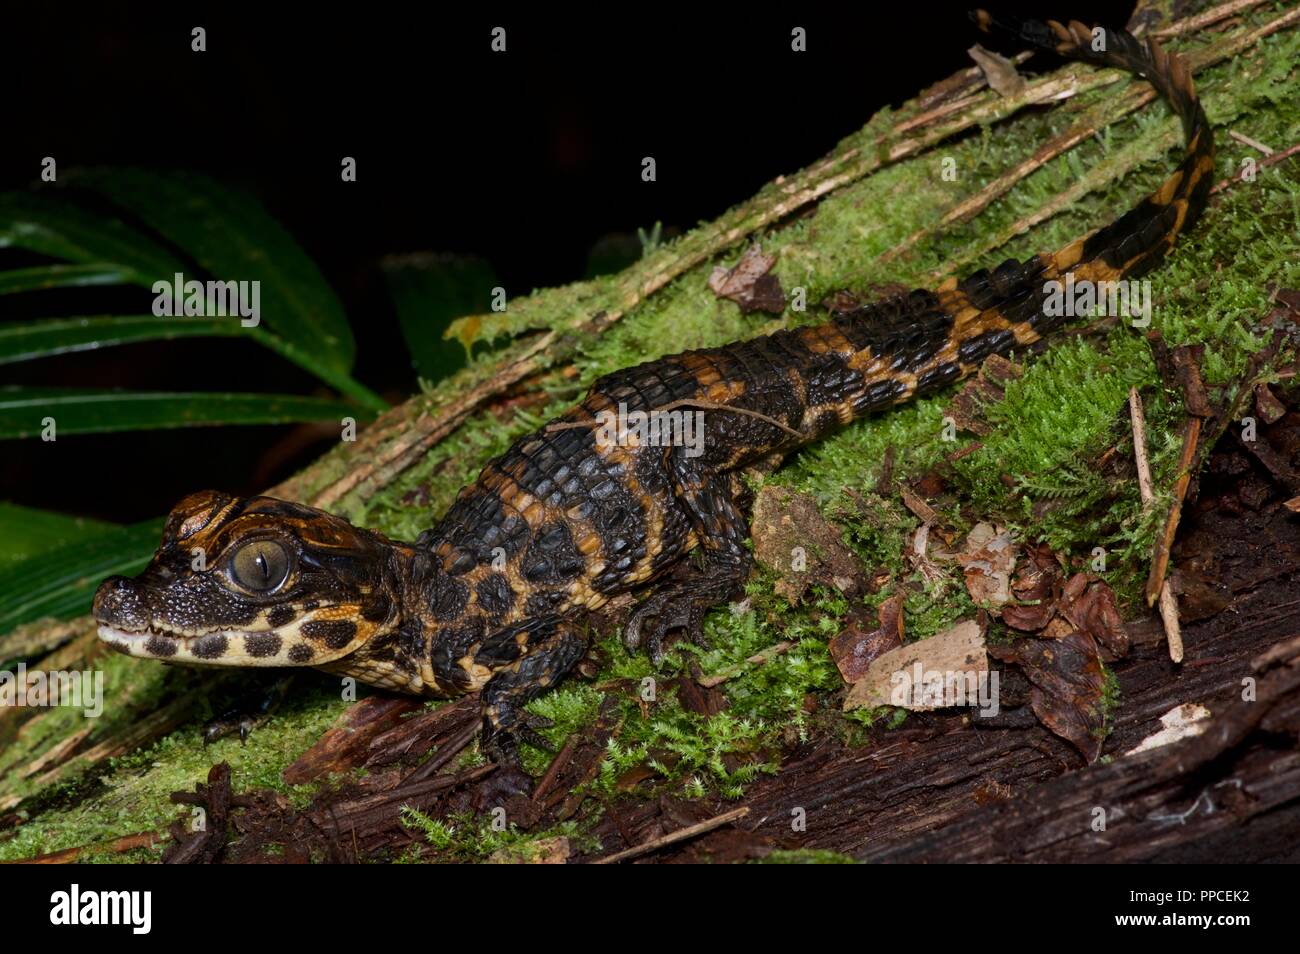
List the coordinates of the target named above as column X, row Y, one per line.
column 260, row 565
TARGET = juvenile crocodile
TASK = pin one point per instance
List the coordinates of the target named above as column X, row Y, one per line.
column 571, row 515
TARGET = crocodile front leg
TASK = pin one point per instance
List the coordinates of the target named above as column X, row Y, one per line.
column 526, row 661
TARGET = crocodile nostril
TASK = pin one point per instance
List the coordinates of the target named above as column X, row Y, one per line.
column 117, row 602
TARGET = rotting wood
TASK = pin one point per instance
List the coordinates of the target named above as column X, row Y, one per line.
column 673, row 838
column 1143, row 805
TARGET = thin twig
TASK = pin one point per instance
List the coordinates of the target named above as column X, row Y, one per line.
column 680, row 835
column 1160, row 559
column 1204, row 19
column 1252, row 143
column 557, row 765
column 144, row 839
column 445, row 754
column 1096, row 119
column 758, row 659
column 1264, row 163
column 1168, row 606
column 956, row 105
column 1137, row 418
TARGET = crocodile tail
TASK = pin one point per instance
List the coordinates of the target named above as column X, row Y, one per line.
column 1136, row 242
column 873, row 356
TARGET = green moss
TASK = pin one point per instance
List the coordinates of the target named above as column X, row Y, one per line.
column 805, row 856
column 1110, row 700
column 862, row 725
column 136, row 787
column 466, row 838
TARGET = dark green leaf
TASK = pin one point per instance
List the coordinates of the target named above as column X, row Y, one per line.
column 22, row 410
column 429, row 292
column 63, row 276
column 55, row 227
column 26, row 531
column 61, row 582
column 231, row 236
column 22, row 341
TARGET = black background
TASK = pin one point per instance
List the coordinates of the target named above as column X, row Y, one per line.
column 526, row 159
column 927, row 905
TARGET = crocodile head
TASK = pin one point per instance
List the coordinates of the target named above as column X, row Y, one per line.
column 255, row 581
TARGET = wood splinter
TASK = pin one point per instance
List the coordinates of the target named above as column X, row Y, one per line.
column 1168, row 604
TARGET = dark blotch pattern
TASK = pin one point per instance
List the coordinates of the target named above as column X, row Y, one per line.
column 281, row 615
column 334, row 633
column 301, row 653
column 551, row 556
column 542, row 602
column 451, row 644
column 449, row 597
column 495, row 597
column 377, row 610
column 410, row 638
column 160, row 646
column 262, row 645
column 210, row 647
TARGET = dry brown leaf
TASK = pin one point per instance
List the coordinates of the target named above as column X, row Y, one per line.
column 748, row 283
column 855, row 649
column 891, row 679
column 988, row 559
column 999, row 71
column 1068, row 681
column 793, row 538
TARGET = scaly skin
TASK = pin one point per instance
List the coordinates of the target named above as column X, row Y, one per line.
column 567, row 518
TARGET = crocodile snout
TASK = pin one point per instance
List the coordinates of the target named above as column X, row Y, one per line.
column 119, row 603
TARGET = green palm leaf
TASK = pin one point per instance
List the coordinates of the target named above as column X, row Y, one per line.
column 24, row 410
column 62, row 276
column 61, row 582
column 40, row 222
column 26, row 532
column 233, row 238
column 22, row 341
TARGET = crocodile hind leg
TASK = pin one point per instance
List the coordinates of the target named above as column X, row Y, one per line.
column 712, row 504
column 535, row 658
